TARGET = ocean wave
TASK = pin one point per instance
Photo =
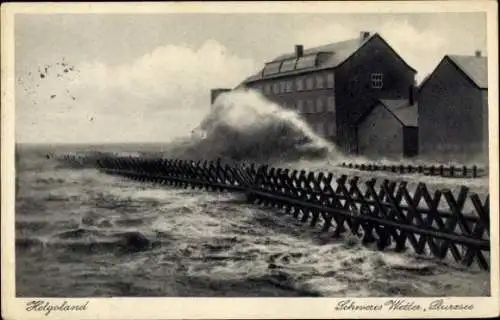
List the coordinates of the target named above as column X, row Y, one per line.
column 243, row 125
column 93, row 240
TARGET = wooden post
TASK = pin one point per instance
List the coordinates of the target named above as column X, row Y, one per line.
column 474, row 171
column 464, row 171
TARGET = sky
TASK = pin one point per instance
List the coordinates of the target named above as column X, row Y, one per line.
column 147, row 77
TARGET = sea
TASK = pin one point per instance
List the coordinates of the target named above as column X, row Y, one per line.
column 77, row 229
column 73, row 227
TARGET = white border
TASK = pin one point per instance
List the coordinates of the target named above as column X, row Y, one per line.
column 230, row 308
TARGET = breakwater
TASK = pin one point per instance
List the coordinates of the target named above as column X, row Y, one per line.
column 384, row 213
column 434, row 170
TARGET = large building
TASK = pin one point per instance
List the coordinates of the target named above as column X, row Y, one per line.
column 334, row 85
column 453, row 109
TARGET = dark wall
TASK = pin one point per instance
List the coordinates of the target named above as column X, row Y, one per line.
column 485, row 119
column 355, row 93
column 380, row 135
column 451, row 115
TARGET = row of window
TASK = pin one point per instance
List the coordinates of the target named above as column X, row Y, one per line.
column 304, row 62
column 300, row 84
column 316, row 106
column 312, row 83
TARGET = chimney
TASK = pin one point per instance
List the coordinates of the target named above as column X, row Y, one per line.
column 214, row 93
column 299, row 50
column 364, row 35
column 477, row 53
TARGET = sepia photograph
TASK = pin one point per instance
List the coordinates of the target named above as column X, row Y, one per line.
column 232, row 154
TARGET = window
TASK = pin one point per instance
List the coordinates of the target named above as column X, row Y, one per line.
column 330, row 82
column 320, row 128
column 276, row 88
column 300, row 106
column 300, row 85
column 289, row 85
column 319, row 105
column 272, row 68
column 267, row 88
column 377, row 80
column 319, row 82
column 288, row 65
column 331, row 104
column 332, row 128
column 310, row 83
column 309, row 106
column 306, row 62
column 282, row 87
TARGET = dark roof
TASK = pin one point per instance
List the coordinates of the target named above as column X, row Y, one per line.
column 476, row 68
column 341, row 51
column 406, row 113
column 401, row 109
column 327, row 56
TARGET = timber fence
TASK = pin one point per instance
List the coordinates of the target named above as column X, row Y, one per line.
column 384, row 213
column 434, row 170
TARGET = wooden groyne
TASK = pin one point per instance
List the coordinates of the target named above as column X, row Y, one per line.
column 450, row 171
column 384, row 213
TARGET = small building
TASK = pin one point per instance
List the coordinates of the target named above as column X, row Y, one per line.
column 389, row 129
column 453, row 109
column 331, row 86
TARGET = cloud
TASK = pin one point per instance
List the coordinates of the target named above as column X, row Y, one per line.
column 420, row 49
column 160, row 96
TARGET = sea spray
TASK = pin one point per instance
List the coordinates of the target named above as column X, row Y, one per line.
column 243, row 125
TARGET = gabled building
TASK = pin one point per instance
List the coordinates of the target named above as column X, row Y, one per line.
column 333, row 85
column 453, row 109
column 389, row 129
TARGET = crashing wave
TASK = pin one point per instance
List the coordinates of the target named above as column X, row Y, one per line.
column 243, row 125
